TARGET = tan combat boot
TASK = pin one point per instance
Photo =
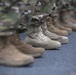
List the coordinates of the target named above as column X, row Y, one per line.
column 36, row 38
column 10, row 56
column 66, row 21
column 26, row 48
column 57, row 24
column 53, row 36
column 70, row 14
column 55, row 30
column 62, row 27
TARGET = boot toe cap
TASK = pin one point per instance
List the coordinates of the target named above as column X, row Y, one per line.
column 25, row 60
column 22, row 61
column 54, row 45
column 69, row 30
column 57, row 44
column 65, row 33
column 38, row 52
column 63, row 39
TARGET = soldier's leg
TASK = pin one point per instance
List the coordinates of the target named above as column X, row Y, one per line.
column 9, row 54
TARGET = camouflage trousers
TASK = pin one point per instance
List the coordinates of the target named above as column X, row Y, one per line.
column 10, row 19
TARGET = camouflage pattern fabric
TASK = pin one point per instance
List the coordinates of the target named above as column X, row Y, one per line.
column 10, row 14
column 73, row 3
column 27, row 14
column 8, row 18
column 64, row 4
column 47, row 7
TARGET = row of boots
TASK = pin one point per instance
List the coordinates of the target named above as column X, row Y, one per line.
column 41, row 36
column 15, row 52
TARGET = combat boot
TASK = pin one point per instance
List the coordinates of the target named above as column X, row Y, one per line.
column 57, row 24
column 55, row 30
column 53, row 36
column 36, row 38
column 65, row 20
column 71, row 15
column 62, row 27
column 26, row 48
column 10, row 56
